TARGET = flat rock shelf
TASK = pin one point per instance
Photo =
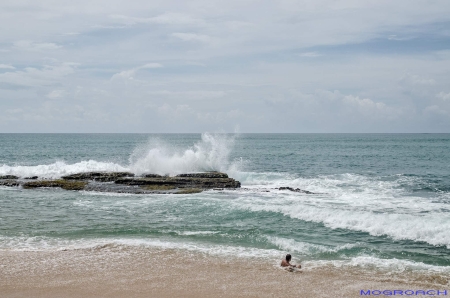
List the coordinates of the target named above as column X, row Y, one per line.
column 125, row 182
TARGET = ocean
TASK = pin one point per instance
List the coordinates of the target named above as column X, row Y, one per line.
column 380, row 201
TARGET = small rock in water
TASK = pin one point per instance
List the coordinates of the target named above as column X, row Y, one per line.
column 31, row 178
column 9, row 177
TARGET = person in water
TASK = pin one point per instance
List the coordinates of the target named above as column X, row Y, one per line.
column 286, row 262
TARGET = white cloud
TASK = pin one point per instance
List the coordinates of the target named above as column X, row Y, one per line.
column 56, row 94
column 310, row 54
column 190, row 94
column 444, row 96
column 177, row 112
column 6, row 66
column 192, row 37
column 370, row 109
column 71, row 33
column 151, row 65
column 128, row 74
column 414, row 79
column 169, row 18
column 31, row 76
column 395, row 37
column 27, row 45
column 434, row 109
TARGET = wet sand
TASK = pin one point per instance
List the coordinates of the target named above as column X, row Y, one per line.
column 147, row 272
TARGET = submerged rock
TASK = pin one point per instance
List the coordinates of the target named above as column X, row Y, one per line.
column 204, row 175
column 9, row 177
column 297, row 190
column 98, row 176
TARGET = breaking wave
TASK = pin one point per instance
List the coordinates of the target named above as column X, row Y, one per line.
column 210, row 154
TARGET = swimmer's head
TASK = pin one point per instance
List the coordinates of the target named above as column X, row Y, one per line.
column 288, row 257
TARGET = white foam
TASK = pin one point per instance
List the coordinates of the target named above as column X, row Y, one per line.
column 306, row 249
column 370, row 262
column 55, row 244
column 193, row 233
column 60, row 168
column 377, row 205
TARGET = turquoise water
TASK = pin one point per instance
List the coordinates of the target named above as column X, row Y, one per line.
column 383, row 200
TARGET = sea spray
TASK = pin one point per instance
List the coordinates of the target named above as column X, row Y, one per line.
column 211, row 153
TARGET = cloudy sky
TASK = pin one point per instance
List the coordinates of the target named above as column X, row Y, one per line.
column 225, row 66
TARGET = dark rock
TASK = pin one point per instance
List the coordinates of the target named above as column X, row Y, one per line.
column 152, row 176
column 140, row 189
column 98, row 176
column 204, row 175
column 9, row 177
column 183, row 182
column 9, row 183
column 64, row 184
column 31, row 178
column 297, row 190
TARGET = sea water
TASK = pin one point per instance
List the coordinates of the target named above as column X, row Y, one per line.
column 379, row 200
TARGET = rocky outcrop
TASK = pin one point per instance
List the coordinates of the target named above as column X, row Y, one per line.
column 64, row 184
column 9, row 177
column 124, row 182
column 182, row 182
column 98, row 176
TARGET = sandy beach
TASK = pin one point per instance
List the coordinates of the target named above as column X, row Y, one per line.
column 106, row 271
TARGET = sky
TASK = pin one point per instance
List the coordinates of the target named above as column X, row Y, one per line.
column 323, row 66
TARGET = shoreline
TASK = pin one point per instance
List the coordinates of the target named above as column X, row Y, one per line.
column 106, row 271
